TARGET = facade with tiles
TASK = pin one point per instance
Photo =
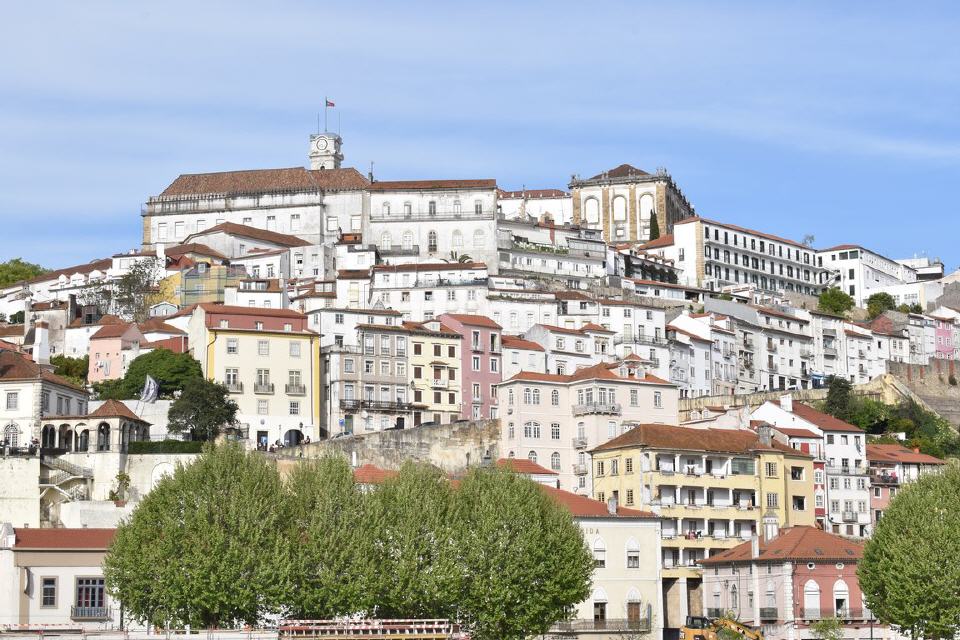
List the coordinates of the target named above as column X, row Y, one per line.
column 481, row 363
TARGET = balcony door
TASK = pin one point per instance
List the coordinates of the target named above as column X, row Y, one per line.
column 633, row 612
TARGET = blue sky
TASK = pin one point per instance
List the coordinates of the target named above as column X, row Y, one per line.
column 832, row 119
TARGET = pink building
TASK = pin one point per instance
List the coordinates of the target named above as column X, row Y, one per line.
column 943, row 337
column 891, row 467
column 481, row 368
column 789, row 580
column 112, row 348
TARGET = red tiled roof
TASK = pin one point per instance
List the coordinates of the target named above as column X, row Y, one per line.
column 665, row 436
column 524, row 466
column 16, row 366
column 622, row 171
column 779, row 314
column 101, row 264
column 822, row 420
column 263, row 235
column 514, row 342
column 61, row 539
column 426, row 185
column 353, row 274
column 12, row 330
column 791, row 432
column 210, row 307
column 265, row 181
column 192, row 247
column 472, row 320
column 601, row 371
column 344, row 179
column 534, row 193
column 796, row 544
column 115, row 409
column 157, row 325
column 111, row 331
column 899, row 453
column 662, row 241
column 584, row 507
column 372, row 474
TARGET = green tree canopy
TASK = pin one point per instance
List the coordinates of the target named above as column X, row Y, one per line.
column 878, row 303
column 173, row 371
column 73, row 369
column 834, row 301
column 838, row 399
column 909, row 572
column 654, row 226
column 204, row 409
column 207, row 547
column 519, row 549
column 17, row 269
column 16, row 318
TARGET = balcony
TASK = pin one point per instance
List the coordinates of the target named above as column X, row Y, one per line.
column 621, row 626
column 581, row 469
column 263, row 388
column 844, row 613
column 579, row 443
column 846, row 470
column 769, row 614
column 376, row 405
column 440, row 214
column 772, row 346
column 884, row 478
column 605, row 408
column 640, row 339
column 437, row 383
column 773, row 367
column 747, row 343
column 849, row 516
column 830, row 332
column 234, row 387
column 400, row 250
column 90, row 613
column 296, row 389
column 830, row 352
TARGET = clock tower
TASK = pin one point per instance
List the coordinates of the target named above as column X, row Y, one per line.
column 325, row 151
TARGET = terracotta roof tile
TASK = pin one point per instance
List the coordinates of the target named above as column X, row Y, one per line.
column 584, row 507
column 824, row 421
column 524, row 466
column 513, row 342
column 115, row 409
column 425, row 185
column 798, row 544
column 265, row 181
column 372, row 474
column 16, row 366
column 621, row 171
column 435, row 266
column 111, row 331
column 734, row 227
column 899, row 453
column 254, row 233
column 472, row 320
column 664, row 436
column 58, row 539
column 662, row 241
column 209, row 307
column 101, row 264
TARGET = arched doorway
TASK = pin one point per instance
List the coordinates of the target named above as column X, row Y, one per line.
column 841, row 599
column 11, row 435
column 103, row 437
column 811, row 600
column 292, row 438
column 48, row 437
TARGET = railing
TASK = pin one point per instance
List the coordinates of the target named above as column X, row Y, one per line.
column 465, row 214
column 296, row 389
column 19, row 452
column 579, row 443
column 747, row 343
column 846, row 470
column 849, row 516
column 581, row 469
column 234, row 387
column 772, row 346
column 844, row 613
column 884, row 478
column 90, row 613
column 264, row 387
column 438, row 384
column 376, row 405
column 639, row 339
column 611, row 408
column 63, row 465
column 773, row 367
column 641, row 625
column 830, row 351
column 400, row 250
column 830, row 332
column 769, row 613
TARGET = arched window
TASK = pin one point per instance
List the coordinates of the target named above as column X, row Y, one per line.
column 581, row 458
column 510, row 396
column 457, row 239
column 48, row 437
column 555, row 461
column 385, row 240
column 591, row 210
column 103, row 437
column 83, row 443
column 11, row 435
column 531, row 430
column 841, row 599
column 646, row 213
column 386, row 208
column 633, row 557
column 527, row 395
column 536, row 396
column 811, row 600
column 619, row 209
column 555, row 398
column 432, row 241
column 407, row 240
column 479, row 239
column 599, row 553
column 532, row 457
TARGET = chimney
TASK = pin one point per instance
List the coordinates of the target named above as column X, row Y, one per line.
column 41, row 342
column 754, row 546
column 612, row 506
column 916, row 449
column 771, row 528
column 786, row 402
column 765, row 434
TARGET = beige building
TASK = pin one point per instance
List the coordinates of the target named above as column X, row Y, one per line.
column 623, row 201
column 625, row 599
column 711, row 487
column 555, row 419
column 434, row 370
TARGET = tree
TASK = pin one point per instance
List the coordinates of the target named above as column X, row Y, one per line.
column 173, row 371
column 408, row 519
column 523, row 561
column 16, row 318
column 808, row 240
column 331, row 566
column 838, row 399
column 206, row 547
column 654, row 226
column 73, row 369
column 909, row 572
column 827, row 629
column 128, row 296
column 878, row 303
column 17, row 269
column 834, row 301
column 204, row 408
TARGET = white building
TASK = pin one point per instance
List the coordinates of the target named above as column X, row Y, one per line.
column 860, row 272
column 540, row 249
column 555, row 204
column 426, row 290
column 569, row 349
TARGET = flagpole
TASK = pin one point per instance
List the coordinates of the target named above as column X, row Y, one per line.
column 325, row 103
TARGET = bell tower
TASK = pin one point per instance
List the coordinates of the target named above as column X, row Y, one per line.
column 325, row 151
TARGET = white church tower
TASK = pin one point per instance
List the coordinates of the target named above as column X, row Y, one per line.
column 325, row 151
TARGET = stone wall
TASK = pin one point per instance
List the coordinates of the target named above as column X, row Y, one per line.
column 451, row 447
column 20, row 490
column 931, row 383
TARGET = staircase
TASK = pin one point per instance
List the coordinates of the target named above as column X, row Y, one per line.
column 69, row 469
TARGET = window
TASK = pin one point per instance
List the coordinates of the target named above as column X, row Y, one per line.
column 657, row 399
column 332, row 224
column 294, row 349
column 294, row 407
column 90, row 593
column 635, row 397
column 263, row 347
column 13, row 399
column 532, row 457
column 599, row 554
column 628, row 465
column 232, row 345
column 48, row 592
column 771, row 469
column 555, row 461
column 432, row 241
column 555, row 398
column 555, row 431
column 263, row 408
column 773, row 500
column 494, row 365
column 475, row 362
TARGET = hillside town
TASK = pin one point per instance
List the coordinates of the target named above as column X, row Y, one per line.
column 661, row 374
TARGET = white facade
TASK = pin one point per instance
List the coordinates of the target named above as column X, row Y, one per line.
column 860, row 272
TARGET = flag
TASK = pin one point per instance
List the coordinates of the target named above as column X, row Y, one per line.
column 330, row 103
column 151, row 389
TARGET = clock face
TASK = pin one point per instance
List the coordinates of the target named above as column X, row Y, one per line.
column 321, row 144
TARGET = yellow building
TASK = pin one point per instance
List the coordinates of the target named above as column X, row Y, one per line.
column 434, row 370
column 711, row 488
